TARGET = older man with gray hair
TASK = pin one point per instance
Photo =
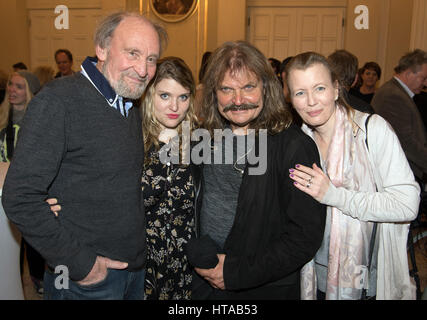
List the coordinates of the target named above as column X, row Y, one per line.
column 81, row 143
column 394, row 102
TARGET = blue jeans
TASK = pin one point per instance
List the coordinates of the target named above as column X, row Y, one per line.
column 118, row 285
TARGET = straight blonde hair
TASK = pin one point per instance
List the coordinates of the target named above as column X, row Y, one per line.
column 5, row 107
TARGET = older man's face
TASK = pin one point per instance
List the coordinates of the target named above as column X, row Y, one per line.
column 417, row 80
column 129, row 62
column 240, row 99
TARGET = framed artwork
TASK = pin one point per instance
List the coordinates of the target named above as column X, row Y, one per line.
column 173, row 10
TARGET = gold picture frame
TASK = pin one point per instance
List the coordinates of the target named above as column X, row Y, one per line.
column 173, row 10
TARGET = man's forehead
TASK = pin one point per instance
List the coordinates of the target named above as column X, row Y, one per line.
column 133, row 32
column 419, row 69
column 62, row 56
column 132, row 22
column 131, row 27
column 240, row 75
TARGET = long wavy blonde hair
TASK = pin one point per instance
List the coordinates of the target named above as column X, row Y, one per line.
column 5, row 107
column 167, row 68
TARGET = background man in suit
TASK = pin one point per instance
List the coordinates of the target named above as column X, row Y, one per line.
column 393, row 101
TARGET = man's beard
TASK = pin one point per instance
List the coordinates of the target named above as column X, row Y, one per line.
column 122, row 88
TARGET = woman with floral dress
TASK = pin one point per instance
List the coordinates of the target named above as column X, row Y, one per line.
column 167, row 183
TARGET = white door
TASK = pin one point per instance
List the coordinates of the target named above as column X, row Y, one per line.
column 281, row 32
column 45, row 39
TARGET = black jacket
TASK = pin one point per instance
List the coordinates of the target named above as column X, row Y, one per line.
column 357, row 103
column 277, row 228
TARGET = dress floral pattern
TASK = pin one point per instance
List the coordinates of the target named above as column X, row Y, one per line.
column 168, row 193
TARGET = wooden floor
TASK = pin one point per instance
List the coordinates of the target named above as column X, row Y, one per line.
column 420, row 257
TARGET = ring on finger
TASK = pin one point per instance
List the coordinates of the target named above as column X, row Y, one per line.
column 308, row 184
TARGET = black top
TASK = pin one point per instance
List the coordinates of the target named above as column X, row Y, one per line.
column 277, row 227
column 421, row 102
column 365, row 97
column 358, row 103
column 75, row 147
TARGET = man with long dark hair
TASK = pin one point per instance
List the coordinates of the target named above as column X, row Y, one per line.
column 263, row 228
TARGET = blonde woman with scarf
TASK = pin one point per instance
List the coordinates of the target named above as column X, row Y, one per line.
column 362, row 183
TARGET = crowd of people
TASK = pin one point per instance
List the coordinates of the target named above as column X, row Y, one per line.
column 268, row 180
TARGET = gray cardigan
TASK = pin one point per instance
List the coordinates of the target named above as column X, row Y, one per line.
column 75, row 147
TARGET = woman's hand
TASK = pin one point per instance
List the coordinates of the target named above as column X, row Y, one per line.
column 54, row 206
column 311, row 181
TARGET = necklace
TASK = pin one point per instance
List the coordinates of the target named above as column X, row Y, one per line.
column 241, row 171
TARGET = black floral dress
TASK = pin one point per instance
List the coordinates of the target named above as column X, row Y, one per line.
column 168, row 193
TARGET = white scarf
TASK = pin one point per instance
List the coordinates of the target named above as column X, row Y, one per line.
column 347, row 166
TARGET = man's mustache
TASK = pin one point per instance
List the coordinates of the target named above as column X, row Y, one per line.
column 245, row 106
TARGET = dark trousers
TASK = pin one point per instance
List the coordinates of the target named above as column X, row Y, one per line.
column 36, row 263
column 118, row 285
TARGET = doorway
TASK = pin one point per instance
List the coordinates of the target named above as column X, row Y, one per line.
column 280, row 32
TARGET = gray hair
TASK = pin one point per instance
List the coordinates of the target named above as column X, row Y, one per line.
column 105, row 29
column 412, row 60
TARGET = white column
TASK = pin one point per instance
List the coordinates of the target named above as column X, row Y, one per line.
column 10, row 276
column 419, row 25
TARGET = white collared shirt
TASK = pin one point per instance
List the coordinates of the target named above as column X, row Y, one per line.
column 408, row 91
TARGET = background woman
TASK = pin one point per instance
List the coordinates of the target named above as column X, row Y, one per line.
column 168, row 189
column 21, row 87
column 369, row 75
column 347, row 185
